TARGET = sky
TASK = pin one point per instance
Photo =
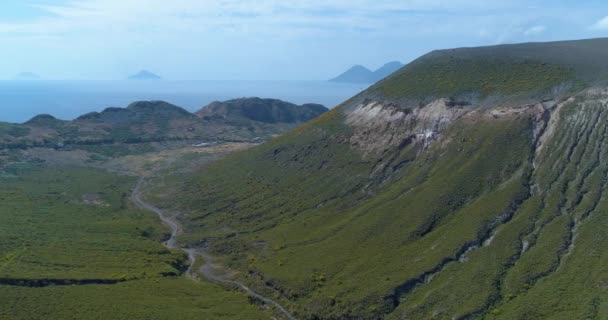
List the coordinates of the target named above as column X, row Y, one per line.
column 267, row 39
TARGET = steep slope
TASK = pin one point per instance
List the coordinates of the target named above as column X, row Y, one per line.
column 469, row 185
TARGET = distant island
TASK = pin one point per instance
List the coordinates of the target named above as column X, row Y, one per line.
column 145, row 75
column 27, row 76
column 361, row 74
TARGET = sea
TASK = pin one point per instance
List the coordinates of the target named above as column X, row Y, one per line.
column 22, row 100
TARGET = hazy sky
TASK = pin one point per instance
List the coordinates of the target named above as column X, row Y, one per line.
column 266, row 39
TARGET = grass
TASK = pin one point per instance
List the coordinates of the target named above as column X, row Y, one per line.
column 115, row 150
column 13, row 130
column 561, row 275
column 106, row 240
column 76, row 225
column 480, row 225
column 305, row 220
column 504, row 281
column 484, row 77
column 501, row 74
column 162, row 298
column 477, row 226
column 307, row 226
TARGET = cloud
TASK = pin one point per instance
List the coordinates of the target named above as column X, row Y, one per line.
column 534, row 31
column 179, row 34
column 602, row 24
column 260, row 15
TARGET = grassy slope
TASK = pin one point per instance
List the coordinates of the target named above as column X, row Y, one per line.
column 49, row 233
column 563, row 275
column 512, row 71
column 453, row 76
column 10, row 130
column 547, row 281
column 145, row 299
column 52, row 216
column 324, row 254
column 346, row 256
column 304, row 215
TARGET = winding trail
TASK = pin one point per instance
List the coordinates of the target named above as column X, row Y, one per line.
column 208, row 267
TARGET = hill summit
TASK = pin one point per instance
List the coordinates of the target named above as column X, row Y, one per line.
column 262, row 110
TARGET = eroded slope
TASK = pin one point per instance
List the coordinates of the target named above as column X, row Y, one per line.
column 462, row 204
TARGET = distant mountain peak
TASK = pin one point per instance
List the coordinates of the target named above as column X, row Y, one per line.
column 359, row 67
column 361, row 74
column 356, row 74
column 145, row 75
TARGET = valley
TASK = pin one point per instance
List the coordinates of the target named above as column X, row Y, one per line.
column 470, row 184
column 73, row 245
column 208, row 270
column 101, row 244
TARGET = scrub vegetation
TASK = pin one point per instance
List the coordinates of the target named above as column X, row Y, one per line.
column 469, row 185
column 500, row 216
column 504, row 73
column 71, row 246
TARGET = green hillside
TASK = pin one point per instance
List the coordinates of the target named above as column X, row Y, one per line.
column 418, row 200
column 521, row 70
column 72, row 247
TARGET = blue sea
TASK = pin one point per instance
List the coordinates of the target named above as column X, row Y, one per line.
column 21, row 100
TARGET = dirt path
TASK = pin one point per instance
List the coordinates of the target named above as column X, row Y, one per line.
column 208, row 268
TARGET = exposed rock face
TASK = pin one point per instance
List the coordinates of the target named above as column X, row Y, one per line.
column 379, row 126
